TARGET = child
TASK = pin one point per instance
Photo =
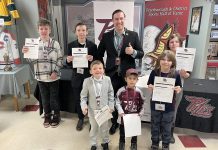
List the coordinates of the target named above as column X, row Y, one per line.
column 165, row 67
column 173, row 43
column 46, row 69
column 98, row 92
column 79, row 74
column 129, row 100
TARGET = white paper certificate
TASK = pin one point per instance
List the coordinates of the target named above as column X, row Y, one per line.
column 80, row 57
column 2, row 22
column 103, row 115
column 33, row 45
column 132, row 125
column 163, row 89
column 185, row 58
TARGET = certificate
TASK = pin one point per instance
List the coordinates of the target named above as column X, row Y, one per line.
column 80, row 57
column 103, row 115
column 185, row 58
column 132, row 125
column 2, row 22
column 163, row 89
column 33, row 46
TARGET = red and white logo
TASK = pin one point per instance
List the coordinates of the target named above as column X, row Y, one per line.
column 199, row 107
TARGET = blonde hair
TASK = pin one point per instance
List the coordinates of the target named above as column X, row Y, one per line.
column 96, row 62
column 44, row 22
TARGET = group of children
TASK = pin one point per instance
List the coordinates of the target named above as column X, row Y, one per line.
column 97, row 91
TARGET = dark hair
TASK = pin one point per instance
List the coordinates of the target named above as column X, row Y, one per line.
column 171, row 56
column 80, row 24
column 175, row 35
column 96, row 62
column 44, row 22
column 117, row 11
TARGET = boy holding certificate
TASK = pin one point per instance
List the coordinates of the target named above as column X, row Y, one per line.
column 46, row 69
column 162, row 113
column 97, row 94
column 129, row 100
column 80, row 73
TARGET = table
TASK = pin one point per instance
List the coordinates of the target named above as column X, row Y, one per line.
column 198, row 109
column 12, row 82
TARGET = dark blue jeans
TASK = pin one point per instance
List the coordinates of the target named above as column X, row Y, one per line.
column 49, row 93
column 163, row 120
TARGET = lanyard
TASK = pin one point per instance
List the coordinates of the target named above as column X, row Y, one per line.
column 118, row 42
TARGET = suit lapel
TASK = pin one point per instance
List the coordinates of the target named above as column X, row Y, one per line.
column 111, row 38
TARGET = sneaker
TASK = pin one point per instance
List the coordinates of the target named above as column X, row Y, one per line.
column 55, row 121
column 121, row 146
column 93, row 147
column 133, row 146
column 79, row 125
column 165, row 147
column 105, row 146
column 113, row 128
column 172, row 139
column 154, row 147
column 47, row 120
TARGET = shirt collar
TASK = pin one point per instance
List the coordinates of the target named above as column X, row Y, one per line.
column 117, row 34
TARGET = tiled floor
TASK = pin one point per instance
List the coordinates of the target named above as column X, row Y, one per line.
column 24, row 131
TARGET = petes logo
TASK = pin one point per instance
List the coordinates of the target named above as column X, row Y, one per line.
column 106, row 27
column 199, row 107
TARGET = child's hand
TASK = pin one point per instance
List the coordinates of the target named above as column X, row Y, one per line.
column 150, row 87
column 89, row 57
column 184, row 74
column 69, row 59
column 111, row 110
column 85, row 111
column 177, row 89
column 25, row 49
column 122, row 114
column 53, row 75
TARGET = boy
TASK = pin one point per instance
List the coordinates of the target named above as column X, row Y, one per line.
column 79, row 74
column 129, row 100
column 98, row 92
column 46, row 69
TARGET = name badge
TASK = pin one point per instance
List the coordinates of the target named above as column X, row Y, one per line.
column 98, row 99
column 80, row 70
column 117, row 61
column 160, row 107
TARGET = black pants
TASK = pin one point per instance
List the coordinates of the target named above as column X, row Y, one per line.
column 49, row 94
column 122, row 135
column 117, row 83
column 76, row 96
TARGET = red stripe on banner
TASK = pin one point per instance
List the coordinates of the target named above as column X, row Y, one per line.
column 191, row 141
column 212, row 64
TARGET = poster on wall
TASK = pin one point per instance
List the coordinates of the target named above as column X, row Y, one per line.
column 162, row 19
column 79, row 13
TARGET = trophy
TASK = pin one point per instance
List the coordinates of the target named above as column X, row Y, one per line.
column 7, row 62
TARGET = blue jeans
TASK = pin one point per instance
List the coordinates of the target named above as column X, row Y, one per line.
column 163, row 120
column 49, row 94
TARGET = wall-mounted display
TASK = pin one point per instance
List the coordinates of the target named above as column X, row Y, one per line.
column 195, row 20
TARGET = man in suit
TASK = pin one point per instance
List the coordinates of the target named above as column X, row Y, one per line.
column 122, row 47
